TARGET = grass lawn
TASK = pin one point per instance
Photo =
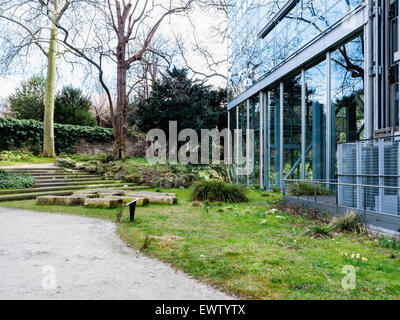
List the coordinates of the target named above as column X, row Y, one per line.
column 252, row 255
column 30, row 160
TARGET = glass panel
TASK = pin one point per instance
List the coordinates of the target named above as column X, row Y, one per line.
column 243, row 126
column 347, row 79
column 316, row 121
column 274, row 135
column 250, row 58
column 292, row 128
column 255, row 124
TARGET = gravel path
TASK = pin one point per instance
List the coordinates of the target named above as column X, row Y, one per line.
column 88, row 261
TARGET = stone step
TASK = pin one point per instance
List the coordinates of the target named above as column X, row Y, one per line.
column 10, row 168
column 33, row 195
column 78, row 173
column 61, row 180
column 60, row 188
column 74, row 183
column 66, row 178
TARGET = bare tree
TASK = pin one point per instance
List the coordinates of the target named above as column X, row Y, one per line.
column 128, row 31
column 31, row 18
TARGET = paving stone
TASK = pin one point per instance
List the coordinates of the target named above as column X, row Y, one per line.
column 103, row 202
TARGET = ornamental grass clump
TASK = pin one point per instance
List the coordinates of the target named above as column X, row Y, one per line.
column 218, row 191
column 11, row 180
column 318, row 232
column 348, row 223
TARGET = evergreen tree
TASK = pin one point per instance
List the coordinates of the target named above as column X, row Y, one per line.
column 175, row 97
column 72, row 107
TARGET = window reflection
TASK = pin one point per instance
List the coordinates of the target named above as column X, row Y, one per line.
column 316, row 120
column 250, row 58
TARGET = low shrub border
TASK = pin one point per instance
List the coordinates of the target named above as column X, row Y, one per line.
column 28, row 134
column 11, row 180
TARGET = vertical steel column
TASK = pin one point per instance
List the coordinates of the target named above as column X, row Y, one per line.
column 303, row 124
column 268, row 141
column 328, row 118
column 381, row 172
column 237, row 143
column 377, row 123
column 398, row 54
column 385, row 60
column 247, row 139
column 229, row 139
column 281, row 88
column 261, row 135
column 369, row 73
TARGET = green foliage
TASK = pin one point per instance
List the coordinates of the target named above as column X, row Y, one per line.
column 307, row 189
column 72, row 107
column 15, row 156
column 11, row 180
column 177, row 98
column 27, row 102
column 215, row 190
column 349, row 223
column 390, row 243
column 317, row 231
column 29, row 133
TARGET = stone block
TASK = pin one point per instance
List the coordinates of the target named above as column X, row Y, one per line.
column 140, row 201
column 45, row 200
column 102, row 202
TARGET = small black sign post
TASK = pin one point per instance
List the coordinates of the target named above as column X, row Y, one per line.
column 132, row 207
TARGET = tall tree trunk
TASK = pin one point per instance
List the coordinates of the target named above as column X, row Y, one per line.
column 48, row 138
column 120, row 129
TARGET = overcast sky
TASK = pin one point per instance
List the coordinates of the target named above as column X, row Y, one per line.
column 202, row 24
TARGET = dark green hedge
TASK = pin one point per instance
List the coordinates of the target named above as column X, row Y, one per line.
column 15, row 134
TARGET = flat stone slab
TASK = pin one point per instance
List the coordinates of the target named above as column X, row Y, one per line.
column 64, row 200
column 139, row 201
column 102, row 202
column 45, row 200
column 154, row 197
column 85, row 195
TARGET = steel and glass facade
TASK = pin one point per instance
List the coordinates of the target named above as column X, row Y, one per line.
column 308, row 75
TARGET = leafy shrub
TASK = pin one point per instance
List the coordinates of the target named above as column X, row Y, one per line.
column 317, row 231
column 11, row 180
column 14, row 156
column 19, row 133
column 215, row 190
column 307, row 189
column 349, row 223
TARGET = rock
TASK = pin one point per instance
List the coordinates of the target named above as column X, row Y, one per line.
column 133, row 177
column 109, row 175
column 103, row 202
column 80, row 165
column 65, row 162
column 90, row 168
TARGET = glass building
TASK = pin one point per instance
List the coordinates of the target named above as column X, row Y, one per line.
column 313, row 77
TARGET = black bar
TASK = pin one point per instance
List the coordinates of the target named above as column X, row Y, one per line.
column 132, row 208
